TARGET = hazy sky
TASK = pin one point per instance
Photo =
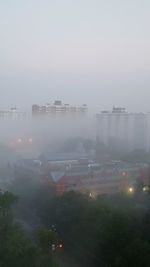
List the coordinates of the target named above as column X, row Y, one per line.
column 82, row 51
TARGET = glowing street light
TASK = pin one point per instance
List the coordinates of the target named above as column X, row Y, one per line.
column 90, row 195
column 60, row 246
column 131, row 190
column 19, row 141
column 145, row 188
column 30, row 140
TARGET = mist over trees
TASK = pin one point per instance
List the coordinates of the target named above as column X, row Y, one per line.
column 104, row 231
column 107, row 231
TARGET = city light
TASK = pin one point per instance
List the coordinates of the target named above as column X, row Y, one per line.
column 90, row 195
column 131, row 190
column 30, row 140
column 19, row 141
column 145, row 188
column 24, row 140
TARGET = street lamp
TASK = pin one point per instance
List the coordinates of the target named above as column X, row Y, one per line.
column 131, row 190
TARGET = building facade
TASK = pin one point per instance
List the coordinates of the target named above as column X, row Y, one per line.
column 58, row 109
column 121, row 127
column 95, row 179
column 12, row 114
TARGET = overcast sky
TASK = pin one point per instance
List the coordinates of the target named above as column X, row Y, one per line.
column 81, row 51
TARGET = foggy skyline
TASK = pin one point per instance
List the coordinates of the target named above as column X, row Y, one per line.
column 93, row 52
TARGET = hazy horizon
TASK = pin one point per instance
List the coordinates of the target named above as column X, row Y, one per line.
column 93, row 52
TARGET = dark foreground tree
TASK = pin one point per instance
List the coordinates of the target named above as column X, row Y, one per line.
column 16, row 249
column 107, row 231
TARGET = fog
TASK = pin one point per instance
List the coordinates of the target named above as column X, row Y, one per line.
column 92, row 52
column 43, row 132
column 74, row 133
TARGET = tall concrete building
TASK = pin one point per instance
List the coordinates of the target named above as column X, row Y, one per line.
column 121, row 127
column 12, row 114
column 58, row 109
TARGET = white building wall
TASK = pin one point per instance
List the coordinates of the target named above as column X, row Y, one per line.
column 132, row 129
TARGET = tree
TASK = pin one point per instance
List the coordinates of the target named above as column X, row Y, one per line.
column 107, row 231
column 137, row 254
column 46, row 238
column 7, row 199
column 19, row 250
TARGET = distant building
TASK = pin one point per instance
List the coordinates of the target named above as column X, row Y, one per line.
column 95, row 179
column 119, row 126
column 85, row 176
column 58, row 108
column 12, row 114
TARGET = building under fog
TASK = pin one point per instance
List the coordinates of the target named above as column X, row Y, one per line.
column 12, row 114
column 121, row 127
column 58, row 109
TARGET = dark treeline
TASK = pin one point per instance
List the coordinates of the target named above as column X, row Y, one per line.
column 16, row 247
column 107, row 231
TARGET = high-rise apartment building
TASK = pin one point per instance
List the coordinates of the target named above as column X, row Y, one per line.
column 121, row 127
column 58, row 108
column 12, row 114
